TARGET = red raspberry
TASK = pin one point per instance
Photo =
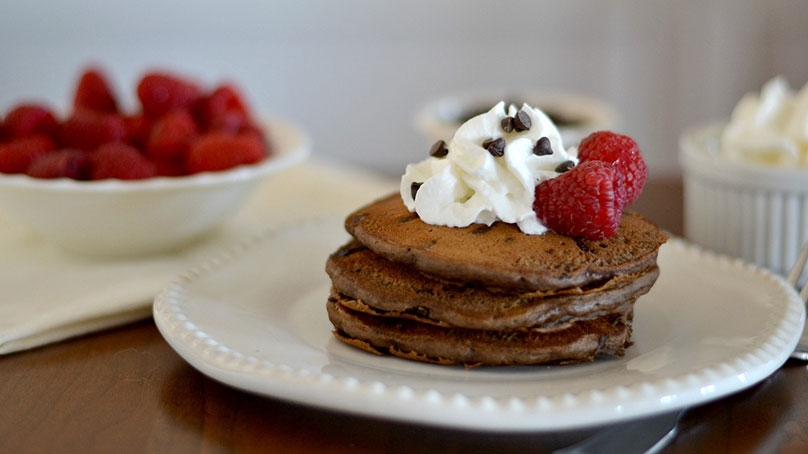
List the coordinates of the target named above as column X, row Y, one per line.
column 160, row 93
column 18, row 154
column 28, row 119
column 620, row 151
column 220, row 150
column 87, row 130
column 169, row 167
column 137, row 128
column 121, row 161
column 94, row 92
column 171, row 135
column 66, row 163
column 224, row 109
column 583, row 202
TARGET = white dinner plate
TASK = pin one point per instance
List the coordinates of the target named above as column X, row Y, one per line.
column 255, row 319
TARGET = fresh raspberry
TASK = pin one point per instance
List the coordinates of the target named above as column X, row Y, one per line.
column 160, row 93
column 623, row 153
column 224, row 109
column 138, row 128
column 171, row 135
column 121, row 161
column 29, row 119
column 220, row 150
column 18, row 154
column 87, row 130
column 65, row 163
column 94, row 92
column 583, row 202
column 169, row 167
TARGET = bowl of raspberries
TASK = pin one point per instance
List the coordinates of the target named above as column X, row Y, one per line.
column 103, row 181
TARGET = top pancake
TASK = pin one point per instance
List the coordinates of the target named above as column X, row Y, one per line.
column 501, row 255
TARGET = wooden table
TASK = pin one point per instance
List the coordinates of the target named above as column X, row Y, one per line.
column 126, row 390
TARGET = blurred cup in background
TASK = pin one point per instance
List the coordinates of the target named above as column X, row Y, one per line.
column 575, row 115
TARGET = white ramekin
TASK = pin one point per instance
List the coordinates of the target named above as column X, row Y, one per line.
column 746, row 210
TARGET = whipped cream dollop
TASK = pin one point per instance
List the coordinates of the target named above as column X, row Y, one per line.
column 770, row 127
column 477, row 178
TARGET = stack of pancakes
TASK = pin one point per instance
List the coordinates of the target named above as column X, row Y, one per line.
column 486, row 295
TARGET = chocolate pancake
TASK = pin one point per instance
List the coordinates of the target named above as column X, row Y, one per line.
column 578, row 341
column 483, row 295
column 367, row 282
column 501, row 255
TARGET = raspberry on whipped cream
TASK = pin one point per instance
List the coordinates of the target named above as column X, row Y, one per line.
column 489, row 171
column 769, row 128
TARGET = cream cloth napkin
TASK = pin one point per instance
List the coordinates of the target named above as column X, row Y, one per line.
column 47, row 295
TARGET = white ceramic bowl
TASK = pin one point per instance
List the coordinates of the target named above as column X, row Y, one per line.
column 749, row 211
column 116, row 218
column 439, row 119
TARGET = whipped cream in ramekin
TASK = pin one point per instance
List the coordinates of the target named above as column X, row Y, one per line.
column 769, row 128
column 473, row 181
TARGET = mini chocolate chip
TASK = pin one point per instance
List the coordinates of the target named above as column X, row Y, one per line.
column 414, row 187
column 507, row 124
column 439, row 150
column 495, row 146
column 522, row 121
column 565, row 166
column 543, row 147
